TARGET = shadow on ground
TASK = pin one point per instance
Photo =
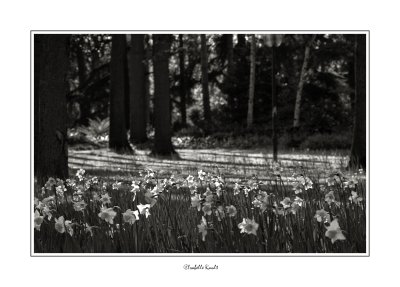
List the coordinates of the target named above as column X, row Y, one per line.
column 232, row 164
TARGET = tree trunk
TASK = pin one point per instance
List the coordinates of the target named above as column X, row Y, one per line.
column 80, row 58
column 303, row 74
column 51, row 67
column 148, row 60
column 162, row 112
column 274, row 106
column 137, row 89
column 252, row 81
column 182, row 81
column 358, row 148
column 118, row 138
column 84, row 102
column 204, row 83
column 229, row 78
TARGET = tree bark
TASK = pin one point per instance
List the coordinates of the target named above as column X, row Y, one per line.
column 303, row 74
column 162, row 112
column 137, row 89
column 80, row 58
column 182, row 81
column 252, row 81
column 230, row 71
column 51, row 67
column 118, row 137
column 274, row 106
column 204, row 83
column 358, row 155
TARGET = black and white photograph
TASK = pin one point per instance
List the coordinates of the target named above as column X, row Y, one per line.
column 158, row 143
column 218, row 143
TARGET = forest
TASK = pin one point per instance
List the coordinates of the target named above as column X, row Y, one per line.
column 232, row 143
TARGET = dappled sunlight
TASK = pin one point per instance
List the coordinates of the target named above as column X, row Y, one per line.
column 230, row 164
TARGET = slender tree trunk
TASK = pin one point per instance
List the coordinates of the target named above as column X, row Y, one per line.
column 204, row 83
column 229, row 79
column 252, row 81
column 182, row 79
column 303, row 74
column 51, row 65
column 84, row 104
column 118, row 137
column 274, row 106
column 80, row 58
column 162, row 112
column 137, row 89
column 148, row 57
column 126, row 89
column 358, row 156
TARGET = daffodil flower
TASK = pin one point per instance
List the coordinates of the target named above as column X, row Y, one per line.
column 298, row 188
column 207, row 208
column 89, row 229
column 330, row 181
column 59, row 225
column 351, row 183
column 80, row 173
column 236, row 189
column 190, row 178
column 248, row 226
column 107, row 214
column 294, row 208
column 47, row 212
column 116, row 185
column 322, row 216
column 298, row 201
column 80, row 205
column 144, row 209
column 130, row 216
column 209, row 198
column 95, row 197
column 286, row 202
column 219, row 212
column 201, row 175
column 308, row 183
column 135, row 189
column 105, row 198
column 257, row 203
column 355, row 198
column 38, row 220
column 196, row 201
column 231, row 210
column 334, row 232
column 68, row 227
column 330, row 197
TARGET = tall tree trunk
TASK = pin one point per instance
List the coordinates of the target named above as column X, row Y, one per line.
column 80, row 58
column 204, row 83
column 84, row 103
column 137, row 89
column 182, row 81
column 36, row 102
column 252, row 82
column 162, row 112
column 303, row 74
column 230, row 71
column 148, row 60
column 274, row 106
column 118, row 138
column 358, row 156
column 51, row 65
